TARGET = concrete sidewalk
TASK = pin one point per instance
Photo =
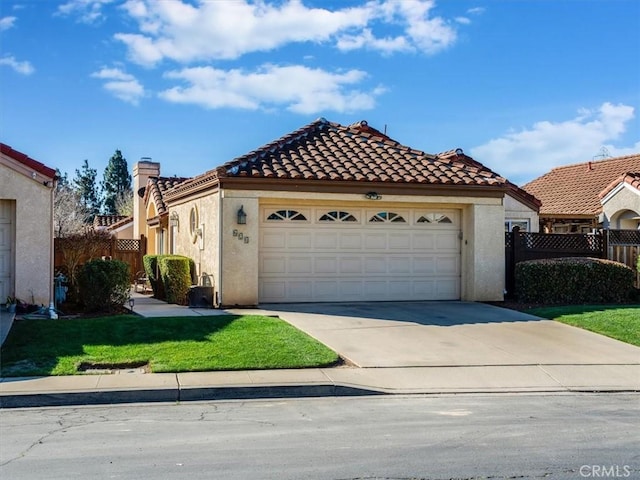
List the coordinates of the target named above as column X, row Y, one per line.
column 502, row 371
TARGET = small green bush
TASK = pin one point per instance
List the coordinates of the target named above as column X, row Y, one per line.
column 175, row 272
column 104, row 285
column 152, row 269
column 573, row 280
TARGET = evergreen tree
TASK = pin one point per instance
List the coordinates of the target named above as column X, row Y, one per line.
column 116, row 182
column 87, row 190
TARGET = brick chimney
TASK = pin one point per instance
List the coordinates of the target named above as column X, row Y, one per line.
column 142, row 170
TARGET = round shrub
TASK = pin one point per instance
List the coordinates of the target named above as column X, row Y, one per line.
column 573, row 280
column 104, row 285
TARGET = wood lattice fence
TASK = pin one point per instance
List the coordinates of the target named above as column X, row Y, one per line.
column 619, row 245
column 128, row 250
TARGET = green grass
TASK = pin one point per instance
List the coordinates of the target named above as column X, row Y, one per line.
column 621, row 322
column 172, row 344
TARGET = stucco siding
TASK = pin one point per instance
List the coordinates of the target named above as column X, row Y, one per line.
column 33, row 235
column 516, row 210
column 203, row 249
column 483, row 266
column 620, row 202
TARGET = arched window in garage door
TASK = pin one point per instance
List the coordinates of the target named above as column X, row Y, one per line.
column 387, row 217
column 434, row 218
column 338, row 216
column 283, row 215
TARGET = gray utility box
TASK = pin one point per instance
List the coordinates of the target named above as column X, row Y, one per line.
column 200, row 297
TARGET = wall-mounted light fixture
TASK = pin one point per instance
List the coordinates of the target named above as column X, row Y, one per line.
column 242, row 217
column 372, row 196
column 174, row 219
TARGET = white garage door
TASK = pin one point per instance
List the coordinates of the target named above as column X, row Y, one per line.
column 346, row 254
column 6, row 253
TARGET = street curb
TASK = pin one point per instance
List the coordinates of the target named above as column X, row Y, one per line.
column 174, row 395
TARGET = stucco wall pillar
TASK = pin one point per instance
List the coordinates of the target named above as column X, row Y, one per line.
column 239, row 263
column 483, row 253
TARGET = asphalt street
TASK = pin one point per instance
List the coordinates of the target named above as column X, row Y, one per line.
column 524, row 436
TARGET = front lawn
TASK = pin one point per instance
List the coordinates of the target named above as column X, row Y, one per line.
column 621, row 322
column 172, row 344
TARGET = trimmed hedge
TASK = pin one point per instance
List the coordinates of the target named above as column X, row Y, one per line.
column 104, row 285
column 152, row 271
column 176, row 277
column 170, row 276
column 573, row 280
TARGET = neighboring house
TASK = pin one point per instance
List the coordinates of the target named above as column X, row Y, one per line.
column 119, row 226
column 26, row 228
column 585, row 196
column 337, row 213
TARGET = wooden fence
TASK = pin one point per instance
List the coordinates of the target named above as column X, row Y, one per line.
column 619, row 245
column 128, row 250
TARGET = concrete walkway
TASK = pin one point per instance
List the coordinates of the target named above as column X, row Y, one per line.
column 403, row 348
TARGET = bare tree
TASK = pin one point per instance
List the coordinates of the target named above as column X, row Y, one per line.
column 124, row 203
column 68, row 212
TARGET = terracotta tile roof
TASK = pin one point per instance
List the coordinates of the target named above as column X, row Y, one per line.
column 325, row 150
column 630, row 178
column 575, row 189
column 157, row 187
column 108, row 220
column 27, row 161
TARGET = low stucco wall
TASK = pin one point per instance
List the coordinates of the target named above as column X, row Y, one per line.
column 33, row 236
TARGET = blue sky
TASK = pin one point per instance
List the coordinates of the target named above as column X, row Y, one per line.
column 522, row 86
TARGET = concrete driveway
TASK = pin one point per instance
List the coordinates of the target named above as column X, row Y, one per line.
column 429, row 334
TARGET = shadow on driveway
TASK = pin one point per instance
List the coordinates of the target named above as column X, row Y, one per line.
column 436, row 313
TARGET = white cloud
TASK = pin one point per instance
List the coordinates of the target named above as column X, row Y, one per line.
column 121, row 84
column 476, row 11
column 87, row 11
column 526, row 154
column 298, row 88
column 209, row 30
column 6, row 23
column 23, row 68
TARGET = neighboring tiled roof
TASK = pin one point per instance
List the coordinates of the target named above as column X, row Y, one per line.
column 630, row 178
column 575, row 189
column 27, row 161
column 157, row 187
column 325, row 150
column 111, row 222
column 108, row 220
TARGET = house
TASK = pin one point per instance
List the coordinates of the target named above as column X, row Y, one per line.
column 589, row 195
column 336, row 213
column 26, row 228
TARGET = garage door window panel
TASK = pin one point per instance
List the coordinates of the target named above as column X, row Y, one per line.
column 338, row 216
column 287, row 215
column 387, row 217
